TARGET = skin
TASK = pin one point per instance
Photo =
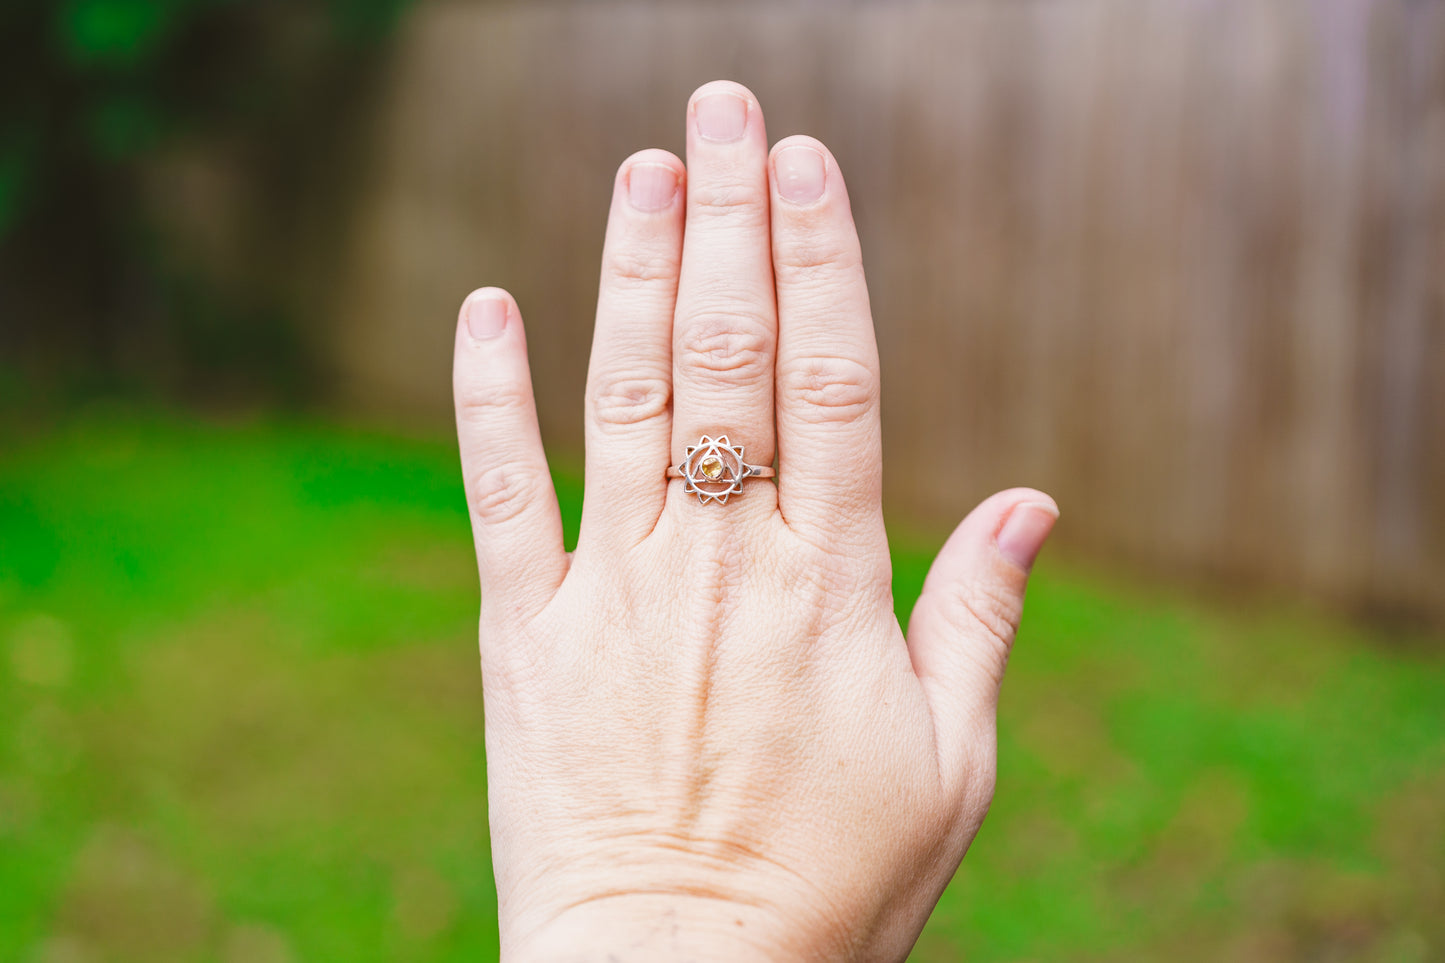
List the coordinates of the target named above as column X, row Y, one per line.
column 707, row 736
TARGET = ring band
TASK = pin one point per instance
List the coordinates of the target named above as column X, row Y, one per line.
column 714, row 468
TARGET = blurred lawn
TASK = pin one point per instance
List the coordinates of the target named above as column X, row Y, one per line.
column 240, row 720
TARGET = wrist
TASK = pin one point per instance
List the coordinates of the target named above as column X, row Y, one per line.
column 646, row 927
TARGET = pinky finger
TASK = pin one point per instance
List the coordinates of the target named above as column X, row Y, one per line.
column 513, row 506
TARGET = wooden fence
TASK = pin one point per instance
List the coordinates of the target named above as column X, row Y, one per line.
column 1180, row 263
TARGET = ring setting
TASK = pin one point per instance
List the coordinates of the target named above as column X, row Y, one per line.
column 714, row 468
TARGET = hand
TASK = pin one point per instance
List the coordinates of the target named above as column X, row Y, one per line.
column 707, row 737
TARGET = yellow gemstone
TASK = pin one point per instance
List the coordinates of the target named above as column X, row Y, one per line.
column 711, row 467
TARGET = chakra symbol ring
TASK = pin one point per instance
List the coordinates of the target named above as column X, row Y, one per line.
column 714, row 469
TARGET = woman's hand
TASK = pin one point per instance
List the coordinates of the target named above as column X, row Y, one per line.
column 707, row 737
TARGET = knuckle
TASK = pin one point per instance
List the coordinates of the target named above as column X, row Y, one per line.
column 835, row 579
column 501, row 493
column 736, row 344
column 638, row 268
column 805, row 258
column 824, row 389
column 819, row 586
column 988, row 613
column 728, row 198
column 620, row 403
column 975, row 793
column 479, row 402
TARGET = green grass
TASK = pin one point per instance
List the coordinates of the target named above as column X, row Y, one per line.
column 240, row 721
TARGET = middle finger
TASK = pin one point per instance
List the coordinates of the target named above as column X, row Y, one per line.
column 726, row 326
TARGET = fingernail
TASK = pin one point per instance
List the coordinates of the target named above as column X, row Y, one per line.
column 721, row 117
column 1024, row 531
column 800, row 173
column 651, row 187
column 486, row 317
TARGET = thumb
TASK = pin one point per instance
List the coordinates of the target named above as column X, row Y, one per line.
column 963, row 626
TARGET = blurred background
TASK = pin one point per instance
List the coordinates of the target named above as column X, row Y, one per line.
column 1180, row 264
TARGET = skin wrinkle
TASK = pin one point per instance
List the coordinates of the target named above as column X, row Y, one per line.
column 731, row 857
column 638, row 275
column 626, row 402
column 737, row 345
column 753, row 310
column 668, row 921
column 803, row 262
column 823, row 388
column 501, row 494
column 697, row 891
column 987, row 613
column 482, row 401
column 745, row 204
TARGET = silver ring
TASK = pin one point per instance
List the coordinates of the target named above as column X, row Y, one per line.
column 714, row 468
